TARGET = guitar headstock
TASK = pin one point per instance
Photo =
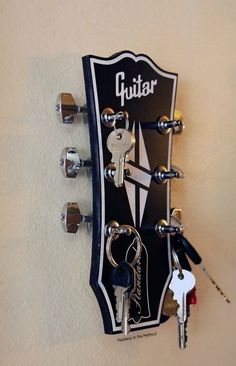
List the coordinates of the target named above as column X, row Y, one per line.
column 128, row 95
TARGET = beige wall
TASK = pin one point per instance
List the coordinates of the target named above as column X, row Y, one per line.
column 48, row 313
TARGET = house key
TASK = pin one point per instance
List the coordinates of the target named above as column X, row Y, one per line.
column 181, row 284
column 120, row 142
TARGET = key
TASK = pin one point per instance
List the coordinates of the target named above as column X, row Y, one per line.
column 181, row 254
column 120, row 142
column 181, row 286
column 123, row 279
column 196, row 259
column 170, row 306
column 126, row 303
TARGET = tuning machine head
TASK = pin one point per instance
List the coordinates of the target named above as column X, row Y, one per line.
column 164, row 125
column 67, row 109
column 161, row 175
column 70, row 162
column 162, row 228
column 109, row 117
column 71, row 217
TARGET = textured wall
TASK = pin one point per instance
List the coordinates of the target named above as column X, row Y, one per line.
column 48, row 313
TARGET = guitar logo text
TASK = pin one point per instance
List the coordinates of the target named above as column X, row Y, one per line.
column 139, row 88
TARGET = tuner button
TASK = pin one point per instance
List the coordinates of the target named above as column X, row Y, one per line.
column 71, row 217
column 67, row 109
column 70, row 162
column 179, row 173
column 178, row 129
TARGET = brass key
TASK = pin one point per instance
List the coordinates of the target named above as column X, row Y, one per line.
column 170, row 306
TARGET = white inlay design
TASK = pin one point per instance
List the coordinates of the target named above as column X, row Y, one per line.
column 139, row 176
column 132, row 152
column 143, row 159
column 143, row 198
column 130, row 189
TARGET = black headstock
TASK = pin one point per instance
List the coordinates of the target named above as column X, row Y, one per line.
column 126, row 82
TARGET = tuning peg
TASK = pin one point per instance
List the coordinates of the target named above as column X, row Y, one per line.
column 110, row 171
column 71, row 217
column 161, row 174
column 109, row 117
column 67, row 109
column 162, row 228
column 164, row 125
column 71, row 162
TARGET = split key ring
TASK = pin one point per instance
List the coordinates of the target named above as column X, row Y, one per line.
column 114, row 230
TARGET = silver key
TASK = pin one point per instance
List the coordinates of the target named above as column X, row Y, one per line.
column 118, row 291
column 120, row 142
column 125, row 312
column 181, row 286
column 126, row 304
column 123, row 297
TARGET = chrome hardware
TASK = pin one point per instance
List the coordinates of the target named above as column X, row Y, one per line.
column 113, row 230
column 176, row 216
column 70, row 162
column 164, row 125
column 161, row 174
column 71, row 217
column 110, row 172
column 67, row 109
column 110, row 227
column 109, row 117
column 162, row 228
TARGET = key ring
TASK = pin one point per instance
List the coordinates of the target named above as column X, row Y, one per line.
column 115, row 231
column 177, row 264
column 121, row 115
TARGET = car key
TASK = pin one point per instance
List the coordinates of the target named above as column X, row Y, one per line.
column 179, row 250
column 123, row 280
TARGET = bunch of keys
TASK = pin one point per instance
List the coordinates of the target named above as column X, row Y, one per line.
column 123, row 275
column 180, row 242
column 120, row 142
